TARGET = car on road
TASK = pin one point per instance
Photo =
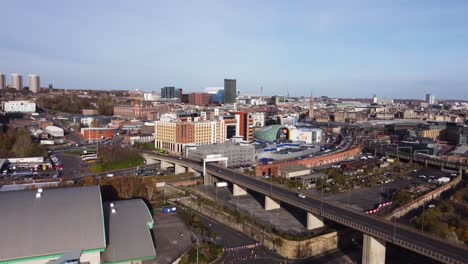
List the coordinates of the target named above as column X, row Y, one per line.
column 180, row 158
column 110, row 175
column 301, row 195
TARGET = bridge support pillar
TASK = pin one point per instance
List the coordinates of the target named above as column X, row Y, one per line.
column 165, row 164
column 196, row 173
column 373, row 250
column 207, row 179
column 237, row 190
column 314, row 221
column 179, row 169
column 271, row 204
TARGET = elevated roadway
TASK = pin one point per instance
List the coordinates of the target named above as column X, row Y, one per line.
column 383, row 230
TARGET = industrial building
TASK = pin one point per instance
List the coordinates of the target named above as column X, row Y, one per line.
column 55, row 131
column 237, row 154
column 72, row 225
column 292, row 171
column 19, row 107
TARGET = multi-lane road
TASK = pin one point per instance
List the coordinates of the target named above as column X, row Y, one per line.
column 389, row 231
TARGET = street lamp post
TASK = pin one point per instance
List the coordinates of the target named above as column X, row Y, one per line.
column 422, row 221
column 197, row 249
column 276, row 221
column 349, row 193
column 321, row 199
column 380, row 193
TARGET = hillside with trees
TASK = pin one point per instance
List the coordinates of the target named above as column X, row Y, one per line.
column 17, row 143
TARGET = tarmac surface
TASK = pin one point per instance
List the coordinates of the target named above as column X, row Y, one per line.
column 72, row 167
column 284, row 219
column 368, row 198
column 172, row 238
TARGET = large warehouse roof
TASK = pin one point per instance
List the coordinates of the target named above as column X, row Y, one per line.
column 267, row 133
column 129, row 231
column 60, row 220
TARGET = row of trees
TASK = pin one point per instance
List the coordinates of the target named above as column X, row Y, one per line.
column 17, row 142
column 448, row 219
column 74, row 104
column 126, row 187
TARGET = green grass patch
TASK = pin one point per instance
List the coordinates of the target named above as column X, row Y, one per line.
column 110, row 166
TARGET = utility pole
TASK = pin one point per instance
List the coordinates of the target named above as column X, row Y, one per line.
column 271, row 186
column 197, row 249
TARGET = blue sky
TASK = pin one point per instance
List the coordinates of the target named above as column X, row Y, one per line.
column 337, row 48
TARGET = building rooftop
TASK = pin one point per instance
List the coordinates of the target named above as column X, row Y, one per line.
column 61, row 220
column 129, row 231
column 294, row 167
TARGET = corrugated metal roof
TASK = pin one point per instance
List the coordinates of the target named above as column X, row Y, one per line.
column 129, row 234
column 61, row 220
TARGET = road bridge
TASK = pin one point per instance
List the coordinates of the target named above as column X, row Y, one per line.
column 377, row 232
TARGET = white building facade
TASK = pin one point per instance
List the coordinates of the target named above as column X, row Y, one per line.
column 19, row 107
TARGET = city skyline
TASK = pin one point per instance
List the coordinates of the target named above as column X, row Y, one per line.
column 397, row 50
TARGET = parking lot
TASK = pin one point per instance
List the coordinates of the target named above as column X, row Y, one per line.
column 363, row 199
column 172, row 238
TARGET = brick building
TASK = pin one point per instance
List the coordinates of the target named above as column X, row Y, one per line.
column 245, row 124
column 200, row 98
column 97, row 133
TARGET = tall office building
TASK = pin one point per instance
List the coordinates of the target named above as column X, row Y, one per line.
column 230, row 91
column 178, row 93
column 17, row 81
column 34, row 83
column 168, row 92
column 430, row 99
column 2, row 81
